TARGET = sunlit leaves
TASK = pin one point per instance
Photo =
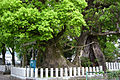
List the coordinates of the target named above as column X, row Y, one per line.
column 37, row 21
column 10, row 5
column 109, row 51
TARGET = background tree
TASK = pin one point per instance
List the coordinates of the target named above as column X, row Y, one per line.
column 102, row 18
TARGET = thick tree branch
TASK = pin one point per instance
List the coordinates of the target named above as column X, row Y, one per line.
column 29, row 43
column 105, row 33
column 61, row 32
column 71, row 47
column 34, row 43
column 56, row 38
column 10, row 50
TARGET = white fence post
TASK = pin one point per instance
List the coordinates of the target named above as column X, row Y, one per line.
column 101, row 69
column 97, row 69
column 74, row 71
column 66, row 72
column 51, row 72
column 87, row 71
column 90, row 68
column 41, row 72
column 94, row 70
column 32, row 72
column 83, row 71
column 109, row 67
column 61, row 72
column 112, row 68
column 56, row 71
column 78, row 71
column 36, row 72
column 28, row 72
column 46, row 72
column 70, row 71
column 119, row 65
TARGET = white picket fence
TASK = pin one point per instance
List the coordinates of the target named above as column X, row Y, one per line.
column 55, row 72
column 18, row 72
column 40, row 73
column 113, row 66
column 4, row 68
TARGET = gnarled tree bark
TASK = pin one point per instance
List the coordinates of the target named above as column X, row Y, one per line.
column 89, row 51
column 98, row 53
column 80, row 42
column 53, row 57
column 39, row 56
column 95, row 54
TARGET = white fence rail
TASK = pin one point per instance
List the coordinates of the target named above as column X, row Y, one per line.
column 17, row 71
column 2, row 68
column 55, row 72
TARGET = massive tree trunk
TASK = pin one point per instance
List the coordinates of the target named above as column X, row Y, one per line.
column 53, row 57
column 98, row 53
column 89, row 51
column 89, row 44
column 80, row 49
column 53, row 54
column 95, row 54
column 3, row 53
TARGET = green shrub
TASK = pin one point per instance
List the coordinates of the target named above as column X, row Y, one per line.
column 113, row 74
column 85, row 62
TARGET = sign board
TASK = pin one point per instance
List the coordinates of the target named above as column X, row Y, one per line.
column 33, row 63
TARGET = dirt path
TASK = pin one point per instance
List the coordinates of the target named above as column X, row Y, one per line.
column 4, row 77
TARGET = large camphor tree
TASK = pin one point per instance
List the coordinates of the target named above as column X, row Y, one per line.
column 43, row 21
column 103, row 21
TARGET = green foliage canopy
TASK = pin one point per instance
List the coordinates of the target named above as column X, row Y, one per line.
column 26, row 20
